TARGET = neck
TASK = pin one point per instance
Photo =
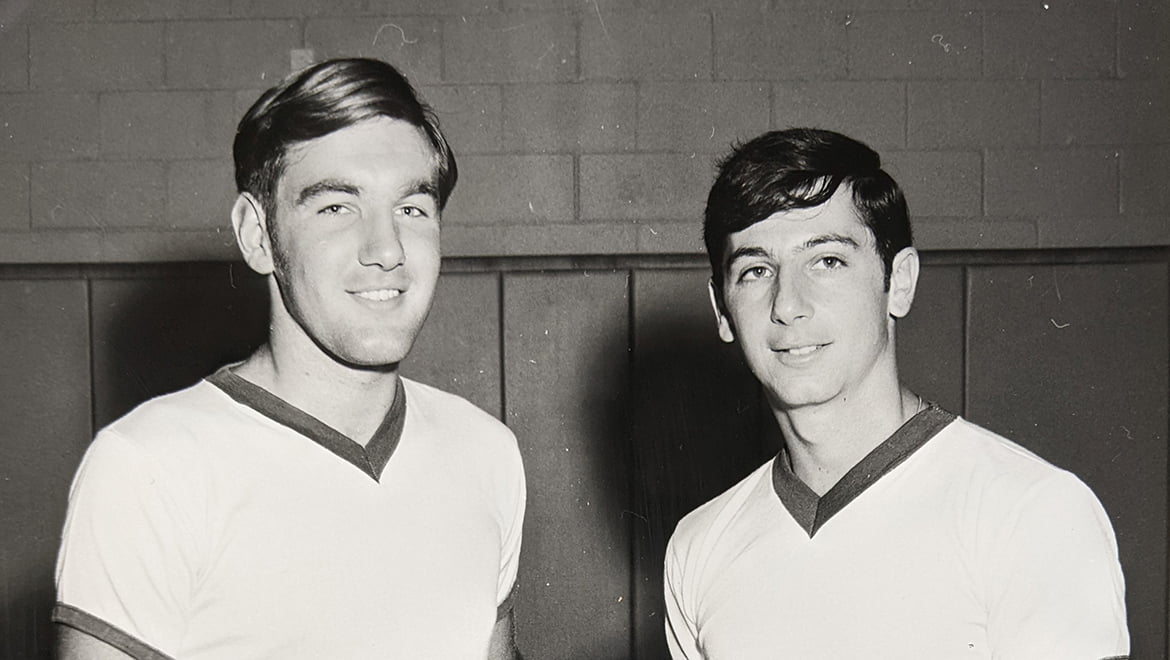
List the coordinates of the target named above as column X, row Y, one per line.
column 352, row 400
column 826, row 440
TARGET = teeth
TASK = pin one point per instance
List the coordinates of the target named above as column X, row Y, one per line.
column 379, row 295
column 803, row 350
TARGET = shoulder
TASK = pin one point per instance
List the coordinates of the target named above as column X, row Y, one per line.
column 710, row 521
column 170, row 435
column 436, row 407
column 176, row 414
column 458, row 422
column 1008, row 481
column 986, row 455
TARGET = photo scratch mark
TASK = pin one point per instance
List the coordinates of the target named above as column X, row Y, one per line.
column 546, row 53
column 401, row 33
column 939, row 39
column 604, row 30
column 1059, row 326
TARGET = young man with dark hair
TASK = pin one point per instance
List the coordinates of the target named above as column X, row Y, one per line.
column 309, row 502
column 886, row 527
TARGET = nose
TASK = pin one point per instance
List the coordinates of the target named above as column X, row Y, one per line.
column 381, row 244
column 790, row 302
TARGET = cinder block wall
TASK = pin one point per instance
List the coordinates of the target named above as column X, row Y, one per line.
column 592, row 126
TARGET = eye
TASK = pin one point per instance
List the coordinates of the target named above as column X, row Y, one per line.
column 413, row 212
column 754, row 273
column 829, row 262
column 333, row 209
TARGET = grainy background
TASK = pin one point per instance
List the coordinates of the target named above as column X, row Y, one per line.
column 1033, row 139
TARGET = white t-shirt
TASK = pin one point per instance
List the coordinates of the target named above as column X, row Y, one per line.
column 947, row 541
column 221, row 522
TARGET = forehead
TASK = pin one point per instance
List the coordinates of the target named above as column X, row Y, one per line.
column 378, row 149
column 789, row 230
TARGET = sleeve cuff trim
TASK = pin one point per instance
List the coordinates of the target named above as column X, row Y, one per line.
column 98, row 629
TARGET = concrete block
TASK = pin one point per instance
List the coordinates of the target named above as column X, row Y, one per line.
column 106, row 246
column 13, row 58
column 229, row 55
column 572, row 117
column 779, row 45
column 96, row 56
column 1105, row 112
column 98, row 194
column 631, row 45
column 974, row 234
column 169, row 125
column 1051, row 183
column 939, row 183
column 50, row 10
column 973, row 113
column 51, row 125
column 200, row 194
column 156, row 10
column 646, row 186
column 14, row 190
column 915, row 45
column 470, row 115
column 413, row 45
column 1143, row 39
column 700, row 116
column 577, row 7
column 1081, row 231
column 871, row 111
column 1062, row 43
column 512, row 190
column 1012, row 5
column 670, row 237
column 1144, row 173
column 338, row 8
column 515, row 47
column 540, row 240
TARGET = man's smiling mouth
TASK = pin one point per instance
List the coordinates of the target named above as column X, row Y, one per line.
column 378, row 295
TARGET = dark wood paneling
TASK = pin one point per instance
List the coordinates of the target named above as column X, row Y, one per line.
column 1071, row 361
column 930, row 338
column 697, row 425
column 458, row 349
column 157, row 335
column 45, row 408
column 566, row 370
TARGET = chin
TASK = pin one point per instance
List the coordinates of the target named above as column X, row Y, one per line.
column 794, row 399
column 371, row 355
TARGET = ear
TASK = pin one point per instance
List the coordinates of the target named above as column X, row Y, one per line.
column 721, row 321
column 251, row 228
column 903, row 282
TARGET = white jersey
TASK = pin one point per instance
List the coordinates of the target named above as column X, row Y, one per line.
column 946, row 542
column 221, row 522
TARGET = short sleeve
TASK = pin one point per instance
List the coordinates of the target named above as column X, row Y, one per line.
column 123, row 572
column 514, row 528
column 681, row 630
column 1056, row 588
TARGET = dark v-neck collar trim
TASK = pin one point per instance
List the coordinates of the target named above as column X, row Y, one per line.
column 370, row 459
column 812, row 512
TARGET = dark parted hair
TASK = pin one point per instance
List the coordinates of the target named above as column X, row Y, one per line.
column 320, row 100
column 801, row 168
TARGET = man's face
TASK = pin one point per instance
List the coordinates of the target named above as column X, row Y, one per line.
column 355, row 241
column 804, row 294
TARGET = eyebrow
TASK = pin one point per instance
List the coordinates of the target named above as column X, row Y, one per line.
column 326, row 186
column 825, row 239
column 417, row 187
column 422, row 187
